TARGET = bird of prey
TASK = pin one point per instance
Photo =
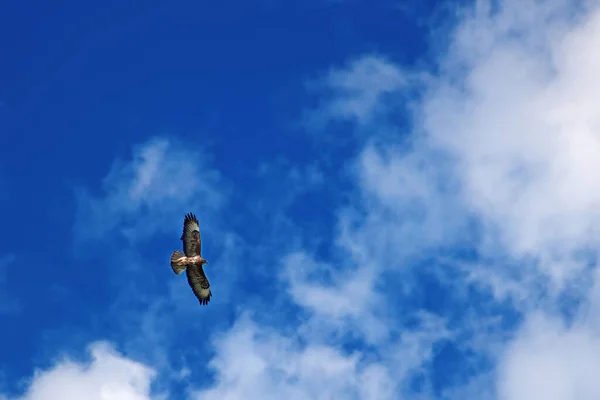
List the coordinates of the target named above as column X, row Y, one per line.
column 192, row 260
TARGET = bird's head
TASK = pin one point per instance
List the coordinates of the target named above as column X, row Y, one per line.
column 203, row 261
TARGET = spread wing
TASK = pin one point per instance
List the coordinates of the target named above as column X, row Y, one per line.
column 199, row 283
column 192, row 244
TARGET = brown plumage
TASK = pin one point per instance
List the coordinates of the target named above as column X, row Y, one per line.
column 191, row 259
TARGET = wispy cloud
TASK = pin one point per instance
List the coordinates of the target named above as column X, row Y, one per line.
column 355, row 92
column 142, row 196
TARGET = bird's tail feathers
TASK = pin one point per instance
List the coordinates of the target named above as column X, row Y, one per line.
column 177, row 268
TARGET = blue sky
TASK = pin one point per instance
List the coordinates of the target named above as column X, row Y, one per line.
column 397, row 200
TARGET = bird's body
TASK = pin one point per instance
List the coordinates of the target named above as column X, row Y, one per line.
column 181, row 260
column 191, row 259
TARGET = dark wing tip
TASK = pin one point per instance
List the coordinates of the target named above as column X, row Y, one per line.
column 205, row 300
column 190, row 217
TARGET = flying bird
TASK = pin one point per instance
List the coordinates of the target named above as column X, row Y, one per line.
column 192, row 260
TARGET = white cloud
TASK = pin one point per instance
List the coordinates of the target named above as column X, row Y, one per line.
column 108, row 375
column 410, row 202
column 340, row 298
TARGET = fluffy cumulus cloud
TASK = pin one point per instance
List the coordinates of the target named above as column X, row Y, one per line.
column 108, row 375
column 463, row 262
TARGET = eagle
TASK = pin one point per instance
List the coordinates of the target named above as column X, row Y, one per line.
column 192, row 260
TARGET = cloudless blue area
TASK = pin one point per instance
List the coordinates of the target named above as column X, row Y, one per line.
column 82, row 83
